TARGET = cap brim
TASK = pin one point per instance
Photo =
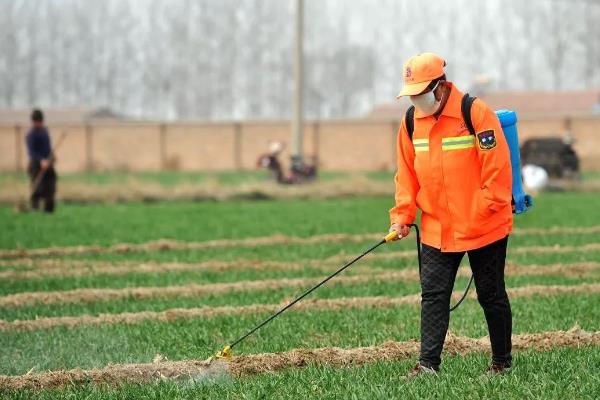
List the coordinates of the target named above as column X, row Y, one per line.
column 414, row 89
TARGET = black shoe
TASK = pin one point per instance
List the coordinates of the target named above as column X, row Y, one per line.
column 498, row 368
column 421, row 370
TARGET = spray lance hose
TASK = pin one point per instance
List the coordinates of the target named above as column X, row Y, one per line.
column 226, row 352
column 464, row 295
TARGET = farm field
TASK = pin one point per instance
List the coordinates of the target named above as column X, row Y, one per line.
column 157, row 186
column 173, row 178
column 111, row 187
column 165, row 285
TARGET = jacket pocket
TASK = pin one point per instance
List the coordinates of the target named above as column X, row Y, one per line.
column 480, row 217
column 482, row 208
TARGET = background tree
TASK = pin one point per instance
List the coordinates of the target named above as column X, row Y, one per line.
column 232, row 59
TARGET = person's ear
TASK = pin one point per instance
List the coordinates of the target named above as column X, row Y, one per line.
column 440, row 90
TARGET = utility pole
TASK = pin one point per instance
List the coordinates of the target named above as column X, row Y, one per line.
column 298, row 115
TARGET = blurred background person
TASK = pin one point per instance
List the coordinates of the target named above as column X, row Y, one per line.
column 41, row 169
column 271, row 162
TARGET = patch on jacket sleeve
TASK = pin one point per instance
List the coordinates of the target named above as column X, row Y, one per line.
column 486, row 140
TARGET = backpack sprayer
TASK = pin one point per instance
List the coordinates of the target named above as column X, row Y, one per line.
column 521, row 203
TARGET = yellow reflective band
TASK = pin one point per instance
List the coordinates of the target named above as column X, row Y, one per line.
column 458, row 146
column 421, row 145
column 458, row 143
column 450, row 140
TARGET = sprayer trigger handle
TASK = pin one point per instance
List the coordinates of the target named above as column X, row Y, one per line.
column 391, row 236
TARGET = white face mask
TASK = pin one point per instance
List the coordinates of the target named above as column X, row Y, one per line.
column 426, row 102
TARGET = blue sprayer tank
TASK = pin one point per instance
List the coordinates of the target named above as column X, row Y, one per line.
column 508, row 120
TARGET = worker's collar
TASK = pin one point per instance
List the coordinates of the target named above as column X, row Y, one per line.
column 452, row 107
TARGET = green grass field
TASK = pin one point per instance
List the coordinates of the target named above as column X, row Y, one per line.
column 562, row 372
column 174, row 178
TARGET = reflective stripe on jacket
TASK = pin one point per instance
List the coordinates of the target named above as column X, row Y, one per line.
column 461, row 183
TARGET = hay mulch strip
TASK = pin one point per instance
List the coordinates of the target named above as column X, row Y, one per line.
column 138, row 190
column 210, row 189
column 343, row 303
column 551, row 249
column 117, row 374
column 169, row 244
column 79, row 268
column 50, row 267
column 395, row 351
column 367, row 275
column 92, row 295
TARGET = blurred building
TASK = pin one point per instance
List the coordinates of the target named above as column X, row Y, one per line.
column 99, row 140
column 60, row 116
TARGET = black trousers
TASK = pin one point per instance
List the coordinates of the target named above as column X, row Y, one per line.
column 437, row 280
column 46, row 188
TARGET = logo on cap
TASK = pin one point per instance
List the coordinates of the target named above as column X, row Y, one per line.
column 408, row 72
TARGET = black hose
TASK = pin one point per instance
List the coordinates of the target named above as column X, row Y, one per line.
column 464, row 296
column 306, row 293
column 303, row 295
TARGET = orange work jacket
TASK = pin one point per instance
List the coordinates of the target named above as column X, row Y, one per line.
column 461, row 183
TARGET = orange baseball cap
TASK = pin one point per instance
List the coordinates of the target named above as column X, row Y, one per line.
column 419, row 71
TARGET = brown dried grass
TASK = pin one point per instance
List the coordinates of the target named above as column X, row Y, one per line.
column 78, row 268
column 357, row 184
column 170, row 244
column 134, row 189
column 248, row 365
column 552, row 249
column 43, row 268
column 343, row 303
column 279, row 239
column 556, row 249
column 394, row 351
column 92, row 295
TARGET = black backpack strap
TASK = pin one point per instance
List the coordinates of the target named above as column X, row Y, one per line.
column 465, row 108
column 409, row 121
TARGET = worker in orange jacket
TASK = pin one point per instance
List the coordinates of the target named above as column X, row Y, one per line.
column 462, row 184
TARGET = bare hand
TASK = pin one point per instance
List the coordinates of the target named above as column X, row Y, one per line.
column 44, row 164
column 401, row 229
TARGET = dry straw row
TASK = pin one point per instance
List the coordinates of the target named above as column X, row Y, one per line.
column 50, row 267
column 309, row 304
column 196, row 370
column 93, row 295
column 169, row 244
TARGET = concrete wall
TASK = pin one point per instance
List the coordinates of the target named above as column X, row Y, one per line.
column 344, row 145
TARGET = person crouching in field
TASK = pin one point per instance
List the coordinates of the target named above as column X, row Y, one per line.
column 41, row 170
column 460, row 179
